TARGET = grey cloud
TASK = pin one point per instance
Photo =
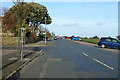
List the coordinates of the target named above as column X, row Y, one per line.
column 100, row 23
column 70, row 25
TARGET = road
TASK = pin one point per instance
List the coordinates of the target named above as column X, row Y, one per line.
column 68, row 59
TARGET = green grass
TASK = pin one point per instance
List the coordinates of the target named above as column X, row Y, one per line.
column 95, row 41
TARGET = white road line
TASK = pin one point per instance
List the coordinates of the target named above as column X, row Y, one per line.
column 103, row 63
column 84, row 54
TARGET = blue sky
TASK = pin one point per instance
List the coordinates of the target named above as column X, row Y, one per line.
column 85, row 19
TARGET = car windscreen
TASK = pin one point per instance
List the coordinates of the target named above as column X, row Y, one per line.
column 106, row 39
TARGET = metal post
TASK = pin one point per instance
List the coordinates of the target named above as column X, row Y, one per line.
column 45, row 30
column 21, row 44
column 32, row 29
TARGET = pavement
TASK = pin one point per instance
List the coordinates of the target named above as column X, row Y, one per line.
column 68, row 59
column 10, row 54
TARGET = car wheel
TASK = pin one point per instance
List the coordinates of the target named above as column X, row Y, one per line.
column 103, row 45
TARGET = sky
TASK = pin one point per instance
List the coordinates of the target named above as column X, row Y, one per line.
column 85, row 19
column 65, row 0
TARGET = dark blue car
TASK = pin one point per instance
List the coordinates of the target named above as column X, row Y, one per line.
column 55, row 38
column 109, row 42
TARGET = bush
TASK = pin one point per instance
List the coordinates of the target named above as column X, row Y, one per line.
column 16, row 35
column 28, row 34
column 95, row 37
column 85, row 38
column 33, row 35
column 41, row 37
column 29, row 40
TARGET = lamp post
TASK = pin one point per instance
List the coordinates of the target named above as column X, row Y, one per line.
column 38, row 32
column 45, row 30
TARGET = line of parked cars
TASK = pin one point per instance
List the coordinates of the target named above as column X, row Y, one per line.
column 104, row 42
column 109, row 43
column 55, row 38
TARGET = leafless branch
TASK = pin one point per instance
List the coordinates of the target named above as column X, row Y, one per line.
column 4, row 10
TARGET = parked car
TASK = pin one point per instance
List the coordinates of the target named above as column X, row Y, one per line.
column 68, row 37
column 109, row 42
column 55, row 38
column 71, row 37
column 60, row 37
column 76, row 39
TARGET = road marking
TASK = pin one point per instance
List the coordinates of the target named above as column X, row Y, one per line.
column 44, row 70
column 58, row 59
column 103, row 63
column 84, row 54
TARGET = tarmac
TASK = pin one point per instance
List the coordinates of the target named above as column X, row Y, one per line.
column 10, row 60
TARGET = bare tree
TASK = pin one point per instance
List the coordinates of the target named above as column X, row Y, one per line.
column 19, row 8
column 17, row 1
column 4, row 10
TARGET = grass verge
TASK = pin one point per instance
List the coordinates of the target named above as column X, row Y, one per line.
column 95, row 41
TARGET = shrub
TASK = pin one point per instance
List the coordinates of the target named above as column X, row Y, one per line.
column 33, row 35
column 28, row 34
column 41, row 37
column 16, row 35
column 95, row 37
column 85, row 38
column 29, row 40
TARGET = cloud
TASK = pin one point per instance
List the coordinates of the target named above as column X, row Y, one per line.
column 84, row 27
column 70, row 25
column 100, row 23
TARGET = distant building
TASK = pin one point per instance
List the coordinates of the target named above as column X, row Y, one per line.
column 42, row 32
column 37, row 32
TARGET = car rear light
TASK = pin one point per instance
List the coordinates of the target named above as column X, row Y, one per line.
column 99, row 40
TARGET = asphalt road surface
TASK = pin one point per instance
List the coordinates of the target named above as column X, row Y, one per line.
column 68, row 59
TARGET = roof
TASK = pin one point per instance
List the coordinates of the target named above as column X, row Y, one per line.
column 107, row 38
